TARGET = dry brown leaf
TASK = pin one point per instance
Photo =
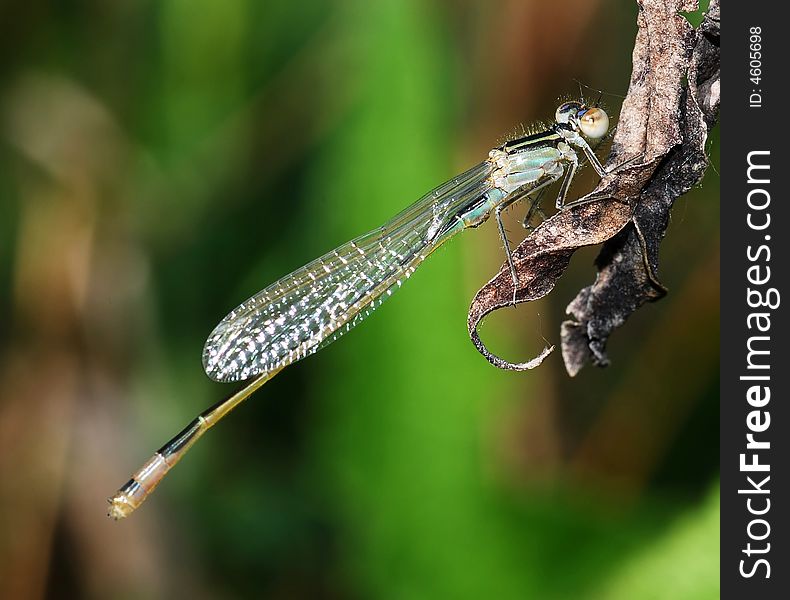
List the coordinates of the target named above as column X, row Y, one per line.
column 672, row 102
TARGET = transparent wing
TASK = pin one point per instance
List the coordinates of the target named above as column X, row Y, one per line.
column 316, row 304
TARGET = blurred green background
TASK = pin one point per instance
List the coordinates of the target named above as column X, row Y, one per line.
column 162, row 161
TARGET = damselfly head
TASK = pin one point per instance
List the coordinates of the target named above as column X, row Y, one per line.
column 567, row 111
column 592, row 122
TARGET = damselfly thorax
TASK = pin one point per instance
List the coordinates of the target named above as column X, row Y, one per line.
column 310, row 308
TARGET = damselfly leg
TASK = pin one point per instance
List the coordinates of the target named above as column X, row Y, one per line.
column 534, row 209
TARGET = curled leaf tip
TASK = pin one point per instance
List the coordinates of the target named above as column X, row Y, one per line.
column 501, row 363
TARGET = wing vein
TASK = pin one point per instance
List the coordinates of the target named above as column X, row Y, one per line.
column 316, row 304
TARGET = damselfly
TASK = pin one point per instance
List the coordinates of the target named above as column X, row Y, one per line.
column 313, row 306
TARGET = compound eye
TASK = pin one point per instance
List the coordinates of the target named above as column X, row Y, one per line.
column 594, row 123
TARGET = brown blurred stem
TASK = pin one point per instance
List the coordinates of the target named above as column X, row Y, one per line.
column 658, row 154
